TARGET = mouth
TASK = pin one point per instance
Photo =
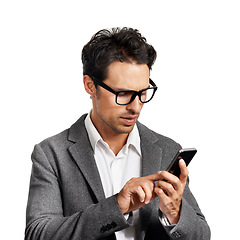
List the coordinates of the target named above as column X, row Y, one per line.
column 129, row 120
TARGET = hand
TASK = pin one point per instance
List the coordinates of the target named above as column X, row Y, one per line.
column 170, row 190
column 137, row 192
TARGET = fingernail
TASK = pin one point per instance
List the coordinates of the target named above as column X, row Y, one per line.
column 159, row 172
column 182, row 162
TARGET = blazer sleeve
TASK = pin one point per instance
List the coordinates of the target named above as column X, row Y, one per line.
column 44, row 216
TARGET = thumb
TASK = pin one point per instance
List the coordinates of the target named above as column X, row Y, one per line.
column 184, row 171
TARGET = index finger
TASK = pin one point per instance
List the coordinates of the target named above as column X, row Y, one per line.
column 154, row 177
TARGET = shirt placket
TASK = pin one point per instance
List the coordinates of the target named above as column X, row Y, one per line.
column 117, row 170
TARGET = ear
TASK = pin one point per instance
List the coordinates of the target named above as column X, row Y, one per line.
column 89, row 85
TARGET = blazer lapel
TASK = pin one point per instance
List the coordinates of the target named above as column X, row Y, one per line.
column 82, row 153
column 151, row 151
column 151, row 164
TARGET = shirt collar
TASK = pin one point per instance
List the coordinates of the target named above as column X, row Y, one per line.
column 94, row 136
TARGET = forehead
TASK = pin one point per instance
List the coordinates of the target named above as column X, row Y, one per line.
column 132, row 76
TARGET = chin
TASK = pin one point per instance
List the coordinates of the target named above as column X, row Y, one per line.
column 124, row 130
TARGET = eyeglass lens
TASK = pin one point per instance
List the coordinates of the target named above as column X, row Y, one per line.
column 128, row 96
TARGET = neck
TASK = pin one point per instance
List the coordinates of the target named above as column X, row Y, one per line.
column 115, row 142
column 114, row 139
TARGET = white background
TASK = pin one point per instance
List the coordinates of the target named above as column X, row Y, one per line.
column 197, row 104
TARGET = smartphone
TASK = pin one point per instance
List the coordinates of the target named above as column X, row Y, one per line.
column 186, row 154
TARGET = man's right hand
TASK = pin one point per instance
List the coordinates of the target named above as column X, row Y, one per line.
column 137, row 192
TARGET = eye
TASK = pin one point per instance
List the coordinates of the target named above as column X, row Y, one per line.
column 122, row 94
column 125, row 94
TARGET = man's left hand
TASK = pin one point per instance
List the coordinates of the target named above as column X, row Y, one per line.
column 170, row 190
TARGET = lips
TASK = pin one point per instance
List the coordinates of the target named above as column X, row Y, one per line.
column 129, row 119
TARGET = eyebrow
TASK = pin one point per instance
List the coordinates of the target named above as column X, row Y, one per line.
column 124, row 89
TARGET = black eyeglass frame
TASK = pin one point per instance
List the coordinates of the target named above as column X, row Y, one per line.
column 135, row 93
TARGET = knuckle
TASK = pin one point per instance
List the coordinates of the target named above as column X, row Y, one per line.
column 169, row 188
column 178, row 182
column 163, row 173
column 186, row 172
column 147, row 184
column 177, row 198
column 132, row 179
column 138, row 189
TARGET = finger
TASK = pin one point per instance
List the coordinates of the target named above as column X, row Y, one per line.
column 162, row 196
column 154, row 177
column 184, row 171
column 170, row 178
column 148, row 188
column 167, row 188
column 141, row 194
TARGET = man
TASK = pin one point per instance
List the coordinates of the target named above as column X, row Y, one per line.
column 102, row 178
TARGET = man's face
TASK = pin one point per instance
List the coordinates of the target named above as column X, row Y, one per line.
column 109, row 116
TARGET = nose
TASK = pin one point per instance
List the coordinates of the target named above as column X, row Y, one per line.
column 135, row 106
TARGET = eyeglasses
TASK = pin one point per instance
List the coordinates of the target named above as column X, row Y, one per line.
column 128, row 96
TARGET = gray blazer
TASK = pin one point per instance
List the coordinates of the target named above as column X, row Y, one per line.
column 67, row 201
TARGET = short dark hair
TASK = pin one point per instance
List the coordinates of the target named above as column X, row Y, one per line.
column 117, row 44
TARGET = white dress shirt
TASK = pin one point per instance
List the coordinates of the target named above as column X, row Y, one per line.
column 116, row 170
